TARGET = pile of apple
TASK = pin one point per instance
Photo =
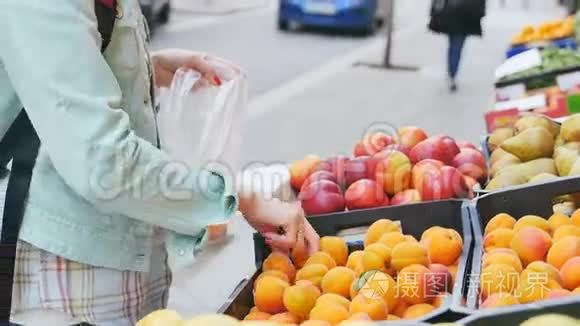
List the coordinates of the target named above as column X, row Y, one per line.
column 405, row 168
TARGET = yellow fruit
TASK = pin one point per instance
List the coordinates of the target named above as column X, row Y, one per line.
column 408, row 253
column 498, row 278
column 557, row 220
column 378, row 228
column 338, row 281
column 336, row 247
column 161, row 318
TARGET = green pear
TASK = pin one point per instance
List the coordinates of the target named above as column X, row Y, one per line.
column 499, row 154
column 574, row 145
column 498, row 136
column 551, row 320
column 531, row 169
column 497, row 166
column 567, row 208
column 530, row 144
column 575, row 169
column 542, row 177
column 559, row 141
column 503, row 180
column 564, row 159
column 571, row 128
column 530, row 121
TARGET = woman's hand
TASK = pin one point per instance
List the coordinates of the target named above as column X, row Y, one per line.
column 283, row 225
column 167, row 62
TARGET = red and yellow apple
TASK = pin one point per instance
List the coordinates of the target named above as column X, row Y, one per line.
column 301, row 169
column 441, row 148
column 411, row 136
column 393, row 172
column 318, row 176
column 365, row 193
column 471, row 162
column 322, row 197
column 406, row 197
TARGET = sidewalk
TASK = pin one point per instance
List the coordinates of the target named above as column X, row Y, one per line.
column 327, row 114
column 218, row 6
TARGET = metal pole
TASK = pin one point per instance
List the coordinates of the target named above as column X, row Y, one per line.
column 389, row 29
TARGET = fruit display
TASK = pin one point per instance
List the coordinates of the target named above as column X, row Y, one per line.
column 553, row 60
column 546, row 31
column 536, row 149
column 529, row 259
column 388, row 170
column 394, row 276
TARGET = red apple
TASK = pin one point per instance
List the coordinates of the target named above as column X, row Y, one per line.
column 406, row 197
column 466, row 144
column 393, row 171
column 359, row 150
column 376, row 142
column 442, row 149
column 365, row 193
column 429, row 183
column 336, row 166
column 316, row 187
column 396, row 147
column 420, row 168
column 453, row 183
column 471, row 162
column 356, row 169
column 411, row 136
column 471, row 183
column 439, row 280
column 318, row 176
column 323, row 203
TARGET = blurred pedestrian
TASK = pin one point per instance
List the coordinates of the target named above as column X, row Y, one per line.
column 458, row 19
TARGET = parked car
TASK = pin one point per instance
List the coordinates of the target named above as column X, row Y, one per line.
column 156, row 12
column 363, row 15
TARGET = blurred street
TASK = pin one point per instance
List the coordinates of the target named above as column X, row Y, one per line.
column 308, row 96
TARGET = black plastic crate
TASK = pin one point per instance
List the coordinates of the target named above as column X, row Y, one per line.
column 536, row 199
column 414, row 219
column 518, row 314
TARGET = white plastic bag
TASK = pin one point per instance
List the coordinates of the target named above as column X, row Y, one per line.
column 202, row 124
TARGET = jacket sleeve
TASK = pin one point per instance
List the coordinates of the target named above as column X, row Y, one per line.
column 51, row 53
column 9, row 107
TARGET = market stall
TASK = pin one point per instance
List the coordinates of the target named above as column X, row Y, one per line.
column 420, row 229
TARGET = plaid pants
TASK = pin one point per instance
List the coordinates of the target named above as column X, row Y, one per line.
column 96, row 295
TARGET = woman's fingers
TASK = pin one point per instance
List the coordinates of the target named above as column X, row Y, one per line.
column 292, row 227
column 311, row 238
column 278, row 242
column 199, row 64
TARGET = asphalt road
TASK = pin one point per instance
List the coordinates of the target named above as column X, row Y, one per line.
column 252, row 40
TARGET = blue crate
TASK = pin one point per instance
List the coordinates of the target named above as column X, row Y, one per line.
column 562, row 43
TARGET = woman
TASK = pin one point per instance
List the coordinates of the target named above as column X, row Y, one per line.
column 458, row 19
column 102, row 195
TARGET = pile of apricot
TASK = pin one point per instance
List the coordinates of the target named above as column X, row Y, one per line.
column 394, row 277
column 530, row 259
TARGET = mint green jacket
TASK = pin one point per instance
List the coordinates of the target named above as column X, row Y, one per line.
column 100, row 184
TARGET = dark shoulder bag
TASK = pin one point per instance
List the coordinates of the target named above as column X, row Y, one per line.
column 20, row 145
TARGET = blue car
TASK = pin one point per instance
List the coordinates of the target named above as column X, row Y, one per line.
column 364, row 15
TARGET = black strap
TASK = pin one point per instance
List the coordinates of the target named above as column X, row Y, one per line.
column 106, row 21
column 24, row 153
column 21, row 144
